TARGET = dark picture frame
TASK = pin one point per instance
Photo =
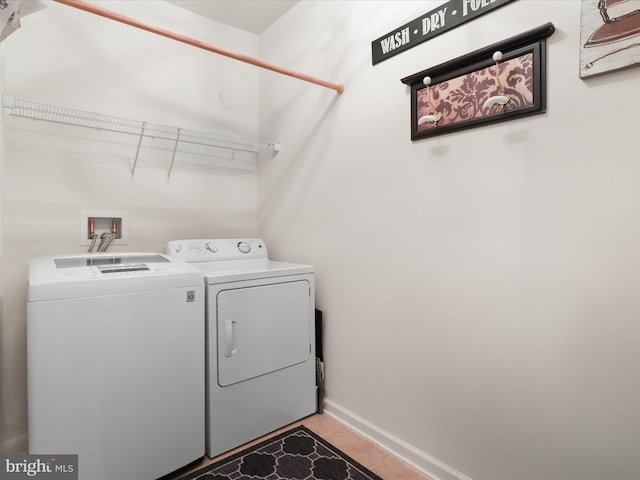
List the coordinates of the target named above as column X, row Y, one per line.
column 459, row 87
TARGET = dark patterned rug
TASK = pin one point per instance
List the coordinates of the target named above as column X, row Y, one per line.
column 298, row 454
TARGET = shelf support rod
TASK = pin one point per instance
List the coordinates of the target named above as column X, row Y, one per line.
column 173, row 156
column 135, row 160
column 198, row 43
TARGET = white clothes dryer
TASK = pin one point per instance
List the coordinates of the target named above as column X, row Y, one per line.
column 260, row 348
column 116, row 363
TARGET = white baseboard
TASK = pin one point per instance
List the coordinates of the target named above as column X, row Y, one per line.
column 420, row 460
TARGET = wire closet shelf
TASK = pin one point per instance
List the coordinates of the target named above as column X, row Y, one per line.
column 181, row 145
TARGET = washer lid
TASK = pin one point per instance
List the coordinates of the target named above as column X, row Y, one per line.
column 78, row 276
column 111, row 264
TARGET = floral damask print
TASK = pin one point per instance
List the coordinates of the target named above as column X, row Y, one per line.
column 460, row 99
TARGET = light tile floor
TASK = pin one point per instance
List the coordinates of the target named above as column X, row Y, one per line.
column 362, row 450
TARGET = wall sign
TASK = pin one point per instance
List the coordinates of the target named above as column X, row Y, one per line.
column 609, row 33
column 439, row 20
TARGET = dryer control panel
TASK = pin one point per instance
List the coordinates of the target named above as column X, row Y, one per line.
column 208, row 250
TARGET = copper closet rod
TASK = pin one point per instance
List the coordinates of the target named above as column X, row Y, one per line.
column 197, row 43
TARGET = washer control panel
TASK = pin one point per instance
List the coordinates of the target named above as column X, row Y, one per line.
column 207, row 250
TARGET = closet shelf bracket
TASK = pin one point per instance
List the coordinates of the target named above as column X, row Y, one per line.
column 173, row 155
column 135, row 160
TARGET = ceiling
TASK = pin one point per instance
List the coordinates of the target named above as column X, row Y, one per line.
column 253, row 16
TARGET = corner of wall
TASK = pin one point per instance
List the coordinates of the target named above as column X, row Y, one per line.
column 420, row 460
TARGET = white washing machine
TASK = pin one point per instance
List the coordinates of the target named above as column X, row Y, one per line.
column 260, row 327
column 116, row 363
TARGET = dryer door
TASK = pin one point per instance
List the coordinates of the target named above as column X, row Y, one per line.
column 262, row 329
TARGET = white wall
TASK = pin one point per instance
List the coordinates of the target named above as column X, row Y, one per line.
column 66, row 57
column 479, row 288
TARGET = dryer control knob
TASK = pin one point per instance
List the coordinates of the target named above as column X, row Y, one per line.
column 244, row 247
column 211, row 246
